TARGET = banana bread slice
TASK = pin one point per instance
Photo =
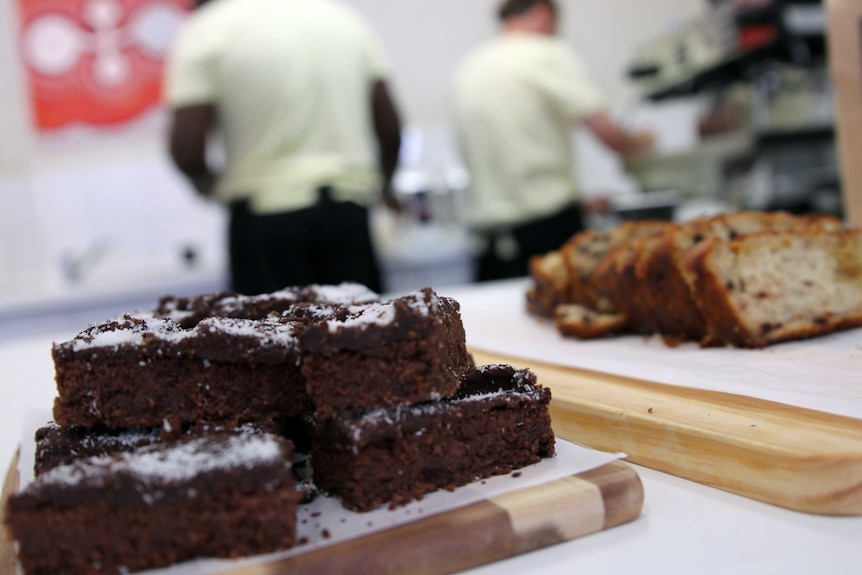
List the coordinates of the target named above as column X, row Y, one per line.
column 675, row 310
column 551, row 284
column 775, row 286
column 585, row 323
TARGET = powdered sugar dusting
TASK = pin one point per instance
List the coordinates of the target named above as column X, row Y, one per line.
column 128, row 329
column 160, row 465
column 269, row 331
column 129, row 437
column 135, row 329
column 236, row 304
column 398, row 415
column 422, row 302
column 380, row 314
column 343, row 293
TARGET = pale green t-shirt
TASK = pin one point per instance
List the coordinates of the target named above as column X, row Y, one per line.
column 291, row 81
column 517, row 99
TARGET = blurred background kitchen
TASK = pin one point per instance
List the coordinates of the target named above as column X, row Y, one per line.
column 94, row 220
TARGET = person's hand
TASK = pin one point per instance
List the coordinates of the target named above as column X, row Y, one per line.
column 597, row 205
column 205, row 183
column 390, row 200
column 642, row 142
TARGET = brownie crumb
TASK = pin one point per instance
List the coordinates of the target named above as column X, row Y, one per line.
column 649, row 410
column 325, row 534
column 516, row 474
column 308, row 491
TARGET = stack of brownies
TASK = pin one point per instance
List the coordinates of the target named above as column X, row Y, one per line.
column 176, row 429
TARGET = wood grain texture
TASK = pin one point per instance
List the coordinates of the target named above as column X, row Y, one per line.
column 792, row 457
column 478, row 534
column 845, row 66
column 7, row 550
column 481, row 533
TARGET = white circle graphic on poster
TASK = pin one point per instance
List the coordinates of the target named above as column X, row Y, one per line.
column 53, row 44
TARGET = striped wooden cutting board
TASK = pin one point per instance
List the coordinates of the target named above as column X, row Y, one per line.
column 483, row 532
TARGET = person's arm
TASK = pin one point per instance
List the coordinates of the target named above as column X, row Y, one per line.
column 617, row 139
column 387, row 130
column 188, row 137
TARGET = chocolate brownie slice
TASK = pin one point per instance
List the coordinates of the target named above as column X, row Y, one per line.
column 213, row 496
column 496, row 422
column 140, row 370
column 385, row 354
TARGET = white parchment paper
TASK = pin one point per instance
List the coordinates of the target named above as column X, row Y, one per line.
column 823, row 373
column 324, row 522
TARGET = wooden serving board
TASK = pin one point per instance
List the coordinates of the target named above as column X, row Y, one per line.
column 793, row 457
column 7, row 550
column 491, row 530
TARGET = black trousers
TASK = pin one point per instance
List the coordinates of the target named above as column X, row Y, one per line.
column 327, row 243
column 506, row 252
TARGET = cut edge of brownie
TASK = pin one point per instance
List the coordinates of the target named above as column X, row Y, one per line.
column 496, row 422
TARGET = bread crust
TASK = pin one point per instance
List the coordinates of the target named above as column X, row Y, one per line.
column 732, row 319
column 584, row 323
column 550, row 284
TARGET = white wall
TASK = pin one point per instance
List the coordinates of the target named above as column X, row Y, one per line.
column 62, row 196
column 20, row 254
column 426, row 39
column 110, row 196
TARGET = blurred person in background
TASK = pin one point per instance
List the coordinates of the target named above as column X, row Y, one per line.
column 517, row 99
column 298, row 91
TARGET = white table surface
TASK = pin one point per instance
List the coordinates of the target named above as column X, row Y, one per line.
column 685, row 527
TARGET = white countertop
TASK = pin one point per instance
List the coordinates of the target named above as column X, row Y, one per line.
column 685, row 527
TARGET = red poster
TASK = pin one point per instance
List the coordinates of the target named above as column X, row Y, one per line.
column 96, row 62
